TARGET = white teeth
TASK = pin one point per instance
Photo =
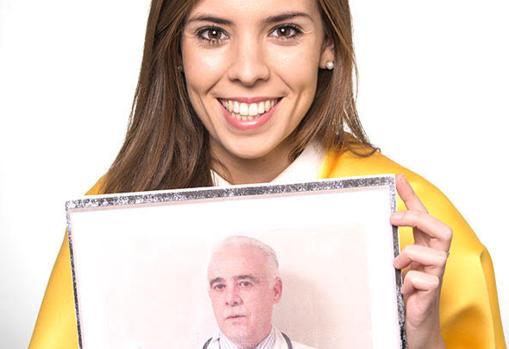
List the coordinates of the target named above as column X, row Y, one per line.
column 248, row 111
column 253, row 109
column 261, row 108
column 244, row 109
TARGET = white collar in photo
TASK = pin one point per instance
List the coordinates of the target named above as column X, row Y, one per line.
column 222, row 342
column 306, row 167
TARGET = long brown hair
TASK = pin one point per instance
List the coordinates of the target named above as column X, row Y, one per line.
column 166, row 145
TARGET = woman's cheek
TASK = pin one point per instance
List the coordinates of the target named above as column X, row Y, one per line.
column 297, row 66
column 204, row 69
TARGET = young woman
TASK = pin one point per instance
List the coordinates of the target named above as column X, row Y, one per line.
column 258, row 91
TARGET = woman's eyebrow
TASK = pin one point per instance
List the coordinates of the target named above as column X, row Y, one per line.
column 286, row 16
column 269, row 20
column 209, row 18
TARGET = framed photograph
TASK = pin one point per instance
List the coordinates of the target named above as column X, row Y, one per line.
column 306, row 265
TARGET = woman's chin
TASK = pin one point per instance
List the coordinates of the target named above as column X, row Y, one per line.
column 253, row 153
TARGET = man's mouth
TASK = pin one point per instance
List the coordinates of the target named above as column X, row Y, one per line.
column 248, row 111
column 235, row 316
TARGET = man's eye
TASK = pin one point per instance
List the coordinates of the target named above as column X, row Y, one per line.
column 218, row 287
column 214, row 35
column 286, row 31
column 245, row 284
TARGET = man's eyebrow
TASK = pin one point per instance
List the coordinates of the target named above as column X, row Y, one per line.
column 269, row 20
column 215, row 280
column 246, row 277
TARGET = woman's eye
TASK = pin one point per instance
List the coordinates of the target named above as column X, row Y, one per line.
column 214, row 35
column 286, row 31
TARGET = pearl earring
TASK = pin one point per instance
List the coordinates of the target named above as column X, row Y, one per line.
column 329, row 65
column 180, row 68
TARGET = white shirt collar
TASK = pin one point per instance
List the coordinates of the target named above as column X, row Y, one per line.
column 224, row 343
column 306, row 167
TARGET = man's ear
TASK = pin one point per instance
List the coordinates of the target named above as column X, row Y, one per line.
column 278, row 290
column 328, row 54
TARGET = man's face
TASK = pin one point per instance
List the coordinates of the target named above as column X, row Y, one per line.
column 242, row 293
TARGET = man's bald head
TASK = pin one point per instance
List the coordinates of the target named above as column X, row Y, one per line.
column 244, row 285
column 240, row 241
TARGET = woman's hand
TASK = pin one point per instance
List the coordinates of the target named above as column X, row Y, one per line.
column 423, row 265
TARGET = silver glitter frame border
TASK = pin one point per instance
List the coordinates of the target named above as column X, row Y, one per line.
column 167, row 196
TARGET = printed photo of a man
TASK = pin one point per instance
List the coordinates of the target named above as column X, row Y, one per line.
column 244, row 286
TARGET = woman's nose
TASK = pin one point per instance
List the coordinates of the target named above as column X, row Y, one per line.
column 248, row 61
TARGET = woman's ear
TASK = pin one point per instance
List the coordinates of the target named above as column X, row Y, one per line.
column 328, row 56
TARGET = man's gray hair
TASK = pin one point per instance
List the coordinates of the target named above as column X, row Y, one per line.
column 268, row 252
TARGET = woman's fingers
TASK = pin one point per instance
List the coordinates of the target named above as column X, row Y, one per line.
column 423, row 265
column 419, row 281
column 432, row 227
column 407, row 194
column 433, row 261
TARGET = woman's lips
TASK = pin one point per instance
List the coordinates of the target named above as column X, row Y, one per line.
column 253, row 119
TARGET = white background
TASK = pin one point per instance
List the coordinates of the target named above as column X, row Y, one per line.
column 433, row 94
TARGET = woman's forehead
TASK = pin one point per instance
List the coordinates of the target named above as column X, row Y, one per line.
column 235, row 10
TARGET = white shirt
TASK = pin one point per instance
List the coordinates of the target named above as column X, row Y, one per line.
column 222, row 342
column 274, row 340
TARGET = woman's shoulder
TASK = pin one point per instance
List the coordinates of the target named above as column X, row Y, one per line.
column 365, row 162
column 361, row 161
column 350, row 164
column 97, row 188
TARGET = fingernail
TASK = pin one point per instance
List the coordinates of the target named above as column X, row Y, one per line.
column 397, row 215
column 395, row 262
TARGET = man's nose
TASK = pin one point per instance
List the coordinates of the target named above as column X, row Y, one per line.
column 232, row 297
column 248, row 62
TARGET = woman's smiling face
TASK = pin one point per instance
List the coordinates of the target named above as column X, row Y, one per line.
column 251, row 70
